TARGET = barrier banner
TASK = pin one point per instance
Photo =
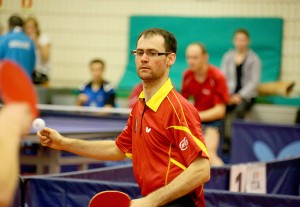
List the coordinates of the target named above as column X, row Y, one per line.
column 217, row 198
column 263, row 142
column 61, row 192
column 282, row 177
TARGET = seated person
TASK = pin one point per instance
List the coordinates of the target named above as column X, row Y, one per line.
column 241, row 67
column 97, row 92
column 207, row 86
column 134, row 95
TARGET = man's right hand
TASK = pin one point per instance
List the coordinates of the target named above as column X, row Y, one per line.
column 235, row 99
column 50, row 138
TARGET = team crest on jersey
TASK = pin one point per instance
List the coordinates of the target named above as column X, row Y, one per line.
column 206, row 91
column 183, row 145
column 148, row 130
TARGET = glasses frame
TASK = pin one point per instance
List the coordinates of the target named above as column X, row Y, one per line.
column 134, row 53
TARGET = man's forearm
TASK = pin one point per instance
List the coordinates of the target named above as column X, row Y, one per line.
column 9, row 172
column 9, row 142
column 15, row 120
column 213, row 114
column 195, row 175
column 100, row 150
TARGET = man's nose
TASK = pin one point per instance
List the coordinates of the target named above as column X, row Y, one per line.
column 145, row 58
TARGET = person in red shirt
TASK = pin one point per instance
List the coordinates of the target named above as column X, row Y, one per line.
column 206, row 85
column 163, row 135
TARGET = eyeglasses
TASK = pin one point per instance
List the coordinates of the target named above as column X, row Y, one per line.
column 149, row 53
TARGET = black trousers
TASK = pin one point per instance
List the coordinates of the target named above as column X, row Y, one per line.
column 185, row 201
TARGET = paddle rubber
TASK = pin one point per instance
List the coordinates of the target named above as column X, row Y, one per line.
column 110, row 199
column 16, row 86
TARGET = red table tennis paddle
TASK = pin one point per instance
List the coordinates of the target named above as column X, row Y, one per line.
column 16, row 86
column 110, row 199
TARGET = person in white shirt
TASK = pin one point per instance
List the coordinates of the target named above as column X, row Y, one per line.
column 43, row 46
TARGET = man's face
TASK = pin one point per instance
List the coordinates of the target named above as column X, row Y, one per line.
column 97, row 71
column 240, row 41
column 151, row 68
column 195, row 57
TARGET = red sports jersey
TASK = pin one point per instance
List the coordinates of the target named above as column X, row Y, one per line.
column 206, row 95
column 163, row 137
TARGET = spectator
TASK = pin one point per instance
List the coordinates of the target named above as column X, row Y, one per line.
column 207, row 86
column 241, row 67
column 43, row 46
column 17, row 46
column 98, row 92
column 134, row 96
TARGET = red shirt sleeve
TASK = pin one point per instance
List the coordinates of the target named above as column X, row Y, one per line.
column 124, row 140
column 186, row 134
column 221, row 90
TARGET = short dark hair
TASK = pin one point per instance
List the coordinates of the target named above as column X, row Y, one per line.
column 15, row 21
column 243, row 31
column 203, row 48
column 97, row 61
column 170, row 40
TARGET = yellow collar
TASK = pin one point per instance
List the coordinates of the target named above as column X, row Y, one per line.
column 159, row 96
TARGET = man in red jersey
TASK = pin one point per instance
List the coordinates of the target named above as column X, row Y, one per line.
column 163, row 133
column 207, row 86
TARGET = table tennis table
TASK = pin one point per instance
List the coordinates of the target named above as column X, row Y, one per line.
column 75, row 125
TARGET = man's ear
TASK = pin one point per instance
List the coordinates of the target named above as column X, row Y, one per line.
column 171, row 58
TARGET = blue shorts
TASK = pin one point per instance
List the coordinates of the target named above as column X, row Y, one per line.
column 214, row 124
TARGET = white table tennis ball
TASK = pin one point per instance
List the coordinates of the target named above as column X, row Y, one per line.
column 38, row 124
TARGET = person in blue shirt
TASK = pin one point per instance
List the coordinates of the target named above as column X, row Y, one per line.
column 17, row 46
column 97, row 92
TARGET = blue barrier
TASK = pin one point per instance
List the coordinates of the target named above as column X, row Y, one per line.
column 18, row 195
column 76, row 189
column 115, row 173
column 282, row 177
column 219, row 178
column 218, row 198
column 62, row 192
column 264, row 142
